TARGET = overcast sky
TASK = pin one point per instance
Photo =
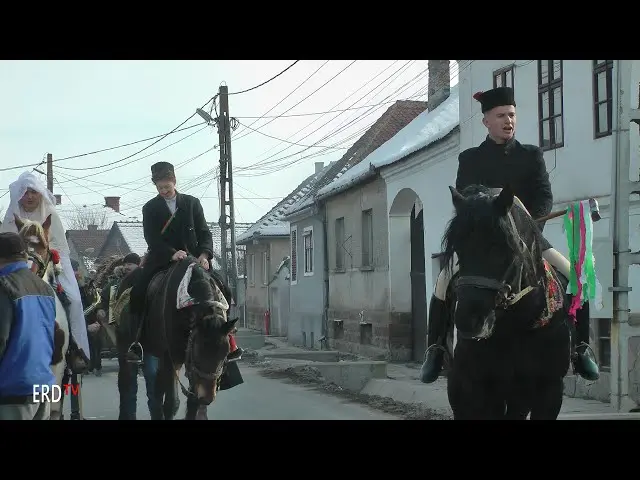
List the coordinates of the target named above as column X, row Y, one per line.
column 70, row 108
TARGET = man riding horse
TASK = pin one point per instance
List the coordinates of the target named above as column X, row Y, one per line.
column 174, row 227
column 499, row 161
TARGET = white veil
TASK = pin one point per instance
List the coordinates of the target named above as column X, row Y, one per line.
column 47, row 207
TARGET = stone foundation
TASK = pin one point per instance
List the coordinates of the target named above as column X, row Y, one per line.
column 381, row 335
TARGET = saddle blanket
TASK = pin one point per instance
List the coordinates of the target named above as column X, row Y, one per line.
column 184, row 300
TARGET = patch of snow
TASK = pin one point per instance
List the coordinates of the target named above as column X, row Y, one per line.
column 422, row 131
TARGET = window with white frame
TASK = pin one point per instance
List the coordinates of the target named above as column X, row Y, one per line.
column 340, row 239
column 265, row 268
column 251, row 269
column 294, row 255
column 307, row 235
column 367, row 238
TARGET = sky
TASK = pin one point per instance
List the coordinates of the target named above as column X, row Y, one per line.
column 74, row 108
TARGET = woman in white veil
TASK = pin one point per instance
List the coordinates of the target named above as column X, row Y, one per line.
column 31, row 200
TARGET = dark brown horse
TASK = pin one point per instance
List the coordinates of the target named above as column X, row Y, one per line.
column 196, row 337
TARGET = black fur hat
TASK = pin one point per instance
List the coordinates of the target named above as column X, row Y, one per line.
column 162, row 170
column 496, row 97
column 132, row 258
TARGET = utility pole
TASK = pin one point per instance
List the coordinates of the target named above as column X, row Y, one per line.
column 227, row 219
column 50, row 172
column 622, row 331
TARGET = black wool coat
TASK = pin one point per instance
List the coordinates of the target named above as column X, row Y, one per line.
column 522, row 167
column 187, row 230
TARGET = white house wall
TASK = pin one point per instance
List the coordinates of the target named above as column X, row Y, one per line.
column 582, row 167
column 429, row 173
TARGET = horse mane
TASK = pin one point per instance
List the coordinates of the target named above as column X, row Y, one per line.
column 477, row 215
column 33, row 229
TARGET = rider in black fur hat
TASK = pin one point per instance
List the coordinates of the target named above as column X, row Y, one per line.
column 501, row 160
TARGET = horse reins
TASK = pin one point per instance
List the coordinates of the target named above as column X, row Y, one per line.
column 506, row 298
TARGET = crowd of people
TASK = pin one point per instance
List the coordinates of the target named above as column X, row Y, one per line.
column 31, row 341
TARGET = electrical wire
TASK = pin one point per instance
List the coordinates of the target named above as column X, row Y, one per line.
column 287, row 96
column 264, row 83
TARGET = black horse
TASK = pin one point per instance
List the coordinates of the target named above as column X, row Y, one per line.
column 510, row 311
column 196, row 336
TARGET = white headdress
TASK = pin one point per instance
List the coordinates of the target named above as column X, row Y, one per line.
column 47, row 207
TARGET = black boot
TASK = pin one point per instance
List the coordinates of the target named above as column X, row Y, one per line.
column 584, row 362
column 436, row 335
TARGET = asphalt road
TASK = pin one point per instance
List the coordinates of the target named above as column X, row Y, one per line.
column 259, row 398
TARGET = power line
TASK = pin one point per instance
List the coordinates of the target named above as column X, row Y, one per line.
column 263, row 83
column 305, row 98
column 288, row 95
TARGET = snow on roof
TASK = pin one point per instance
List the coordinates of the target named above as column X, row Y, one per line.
column 425, row 129
column 133, row 235
column 272, row 224
column 394, row 119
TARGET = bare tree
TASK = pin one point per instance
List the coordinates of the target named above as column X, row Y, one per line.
column 83, row 217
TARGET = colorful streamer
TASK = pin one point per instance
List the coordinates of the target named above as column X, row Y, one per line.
column 583, row 283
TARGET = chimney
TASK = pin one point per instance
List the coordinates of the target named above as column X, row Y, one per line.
column 92, row 228
column 113, row 203
column 439, row 83
column 319, row 166
column 58, row 199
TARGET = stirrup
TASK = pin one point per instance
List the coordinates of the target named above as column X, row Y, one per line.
column 591, row 352
column 434, row 346
column 138, row 352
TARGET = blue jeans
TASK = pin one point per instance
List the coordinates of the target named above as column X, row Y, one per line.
column 128, row 386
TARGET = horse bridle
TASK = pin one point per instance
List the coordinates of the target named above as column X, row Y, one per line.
column 191, row 370
column 505, row 296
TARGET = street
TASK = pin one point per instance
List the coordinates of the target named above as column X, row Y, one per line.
column 258, row 398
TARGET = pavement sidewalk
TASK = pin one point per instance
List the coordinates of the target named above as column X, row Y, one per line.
column 402, row 384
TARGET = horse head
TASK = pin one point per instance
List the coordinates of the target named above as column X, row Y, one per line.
column 499, row 262
column 36, row 238
column 208, row 344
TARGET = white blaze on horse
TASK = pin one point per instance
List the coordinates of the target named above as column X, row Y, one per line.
column 45, row 262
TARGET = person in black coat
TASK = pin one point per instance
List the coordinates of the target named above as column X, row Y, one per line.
column 498, row 161
column 174, row 226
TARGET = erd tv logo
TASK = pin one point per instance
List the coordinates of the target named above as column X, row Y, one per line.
column 46, row 393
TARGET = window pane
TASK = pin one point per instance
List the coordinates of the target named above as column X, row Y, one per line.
column 557, row 69
column 600, row 62
column 559, row 134
column 509, row 79
column 557, row 101
column 603, row 118
column 545, row 104
column 498, row 80
column 544, row 72
column 602, row 86
column 546, row 134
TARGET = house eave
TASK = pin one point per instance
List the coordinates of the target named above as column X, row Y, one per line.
column 372, row 172
column 258, row 236
column 301, row 214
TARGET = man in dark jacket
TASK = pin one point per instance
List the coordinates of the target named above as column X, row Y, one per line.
column 501, row 160
column 30, row 339
column 174, row 227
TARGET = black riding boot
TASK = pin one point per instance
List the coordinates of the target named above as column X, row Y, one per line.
column 436, row 336
column 584, row 363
